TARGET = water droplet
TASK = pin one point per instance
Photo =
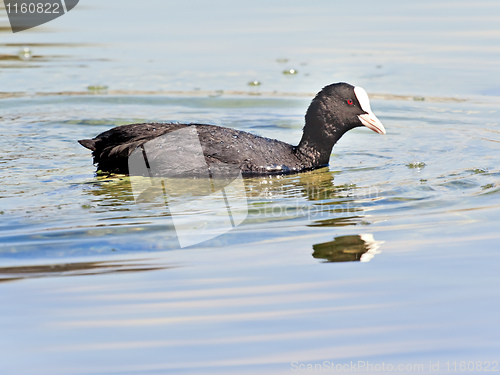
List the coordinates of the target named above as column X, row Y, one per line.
column 254, row 83
column 416, row 165
column 290, row 72
column 479, row 170
column 97, row 89
column 25, row 53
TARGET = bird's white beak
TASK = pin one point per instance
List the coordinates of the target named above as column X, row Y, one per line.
column 368, row 119
column 372, row 122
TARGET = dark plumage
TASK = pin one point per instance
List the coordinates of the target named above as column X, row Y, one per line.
column 336, row 109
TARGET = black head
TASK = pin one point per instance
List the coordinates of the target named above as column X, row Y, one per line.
column 336, row 109
column 341, row 107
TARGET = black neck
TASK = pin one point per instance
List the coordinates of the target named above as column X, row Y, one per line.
column 321, row 131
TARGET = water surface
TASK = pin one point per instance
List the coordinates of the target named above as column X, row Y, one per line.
column 389, row 255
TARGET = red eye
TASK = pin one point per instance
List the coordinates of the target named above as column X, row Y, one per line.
column 350, row 102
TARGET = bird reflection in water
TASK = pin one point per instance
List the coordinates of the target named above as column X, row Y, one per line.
column 360, row 248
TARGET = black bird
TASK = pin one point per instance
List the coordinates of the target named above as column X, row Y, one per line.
column 336, row 109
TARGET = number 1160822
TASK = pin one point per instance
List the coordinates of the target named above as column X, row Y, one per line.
column 34, row 7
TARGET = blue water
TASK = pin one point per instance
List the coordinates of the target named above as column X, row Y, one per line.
column 386, row 258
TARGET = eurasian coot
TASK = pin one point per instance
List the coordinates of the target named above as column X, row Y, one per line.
column 336, row 109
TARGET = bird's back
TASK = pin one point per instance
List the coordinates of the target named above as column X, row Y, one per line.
column 252, row 154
